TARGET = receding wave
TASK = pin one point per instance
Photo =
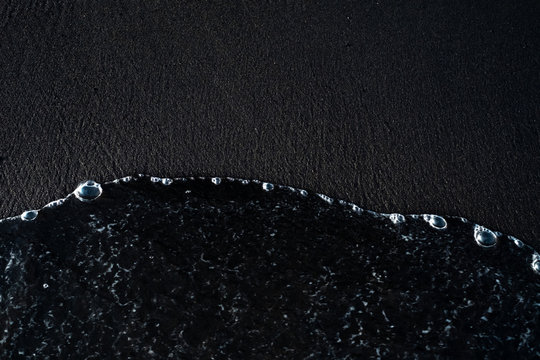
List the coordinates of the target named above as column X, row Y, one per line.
column 216, row 268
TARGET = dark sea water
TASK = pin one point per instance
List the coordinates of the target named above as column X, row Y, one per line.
column 222, row 268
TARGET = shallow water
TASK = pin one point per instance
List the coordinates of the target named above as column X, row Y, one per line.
column 233, row 268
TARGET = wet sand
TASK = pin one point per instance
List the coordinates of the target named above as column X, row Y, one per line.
column 405, row 108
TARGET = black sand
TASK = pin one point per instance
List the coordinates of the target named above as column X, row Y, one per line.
column 405, row 107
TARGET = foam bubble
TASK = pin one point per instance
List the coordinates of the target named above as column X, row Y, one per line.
column 303, row 193
column 29, row 215
column 484, row 237
column 267, row 186
column 155, row 179
column 216, row 180
column 166, row 181
column 127, row 178
column 435, row 221
column 88, row 191
column 397, row 218
column 516, row 241
column 536, row 263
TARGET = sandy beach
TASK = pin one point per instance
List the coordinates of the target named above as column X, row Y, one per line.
column 405, row 108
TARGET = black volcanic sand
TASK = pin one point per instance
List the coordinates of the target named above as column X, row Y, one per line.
column 195, row 270
column 398, row 106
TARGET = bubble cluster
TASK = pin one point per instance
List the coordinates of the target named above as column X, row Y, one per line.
column 155, row 179
column 267, row 186
column 357, row 209
column 326, row 198
column 245, row 182
column 435, row 221
column 88, row 191
column 55, row 203
column 397, row 218
column 216, row 180
column 484, row 237
column 29, row 215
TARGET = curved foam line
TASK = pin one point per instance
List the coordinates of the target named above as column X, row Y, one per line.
column 267, row 186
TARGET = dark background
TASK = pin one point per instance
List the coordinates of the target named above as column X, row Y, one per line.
column 411, row 107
